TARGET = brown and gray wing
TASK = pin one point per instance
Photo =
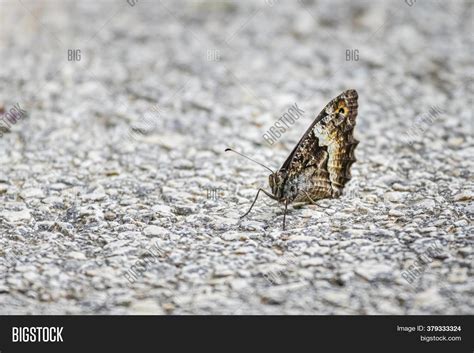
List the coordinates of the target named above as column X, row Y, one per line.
column 324, row 155
column 310, row 167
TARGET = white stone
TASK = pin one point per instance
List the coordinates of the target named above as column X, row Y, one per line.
column 76, row 255
column 31, row 193
column 155, row 231
column 16, row 216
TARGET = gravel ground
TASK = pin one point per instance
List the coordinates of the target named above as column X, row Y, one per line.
column 116, row 162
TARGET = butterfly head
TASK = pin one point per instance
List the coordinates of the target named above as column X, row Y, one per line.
column 277, row 183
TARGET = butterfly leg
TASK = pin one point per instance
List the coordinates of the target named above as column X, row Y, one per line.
column 255, row 200
column 312, row 201
column 284, row 215
column 309, row 198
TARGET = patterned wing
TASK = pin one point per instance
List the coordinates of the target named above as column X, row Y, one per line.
column 319, row 165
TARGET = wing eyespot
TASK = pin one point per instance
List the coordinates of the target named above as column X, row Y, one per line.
column 343, row 111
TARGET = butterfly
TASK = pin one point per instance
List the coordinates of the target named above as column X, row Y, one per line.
column 319, row 165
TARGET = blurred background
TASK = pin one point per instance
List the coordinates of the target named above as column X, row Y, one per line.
column 129, row 106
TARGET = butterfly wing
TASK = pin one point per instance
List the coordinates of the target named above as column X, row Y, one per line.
column 319, row 165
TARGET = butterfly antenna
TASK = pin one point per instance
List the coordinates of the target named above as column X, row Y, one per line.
column 230, row 149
